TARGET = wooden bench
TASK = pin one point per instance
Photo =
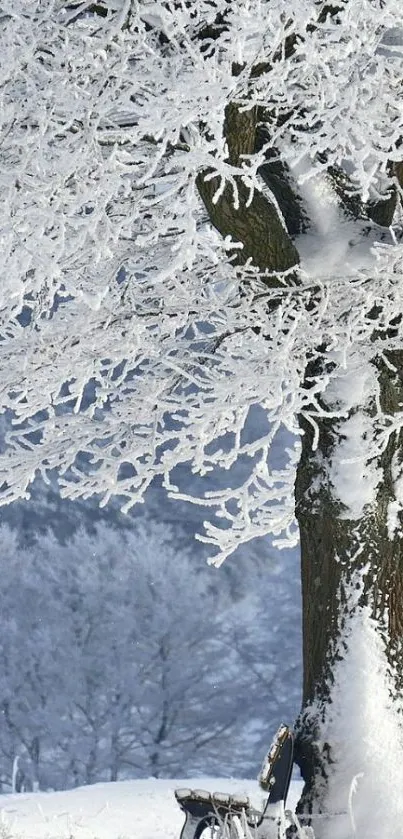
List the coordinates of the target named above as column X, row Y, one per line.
column 233, row 816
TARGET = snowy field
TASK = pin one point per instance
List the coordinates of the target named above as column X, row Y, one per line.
column 143, row 809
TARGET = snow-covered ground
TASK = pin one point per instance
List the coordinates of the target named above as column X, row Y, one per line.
column 143, row 809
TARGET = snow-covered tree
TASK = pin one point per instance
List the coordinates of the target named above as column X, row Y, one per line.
column 193, row 198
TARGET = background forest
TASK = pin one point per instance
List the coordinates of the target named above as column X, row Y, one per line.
column 124, row 655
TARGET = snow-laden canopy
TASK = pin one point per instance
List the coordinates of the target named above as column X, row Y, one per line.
column 131, row 341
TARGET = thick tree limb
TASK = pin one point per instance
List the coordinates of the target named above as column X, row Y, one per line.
column 278, row 179
column 254, row 224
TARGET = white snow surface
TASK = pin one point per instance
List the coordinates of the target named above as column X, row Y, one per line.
column 141, row 809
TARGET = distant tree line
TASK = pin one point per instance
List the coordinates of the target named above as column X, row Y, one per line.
column 116, row 661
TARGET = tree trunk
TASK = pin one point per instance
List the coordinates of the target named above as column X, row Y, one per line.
column 337, row 543
column 334, row 546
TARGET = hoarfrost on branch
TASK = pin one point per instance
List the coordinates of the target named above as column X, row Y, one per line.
column 131, row 342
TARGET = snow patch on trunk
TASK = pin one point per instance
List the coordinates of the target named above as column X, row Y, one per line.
column 353, row 470
column 395, row 507
column 334, row 244
column 363, row 726
column 354, row 478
